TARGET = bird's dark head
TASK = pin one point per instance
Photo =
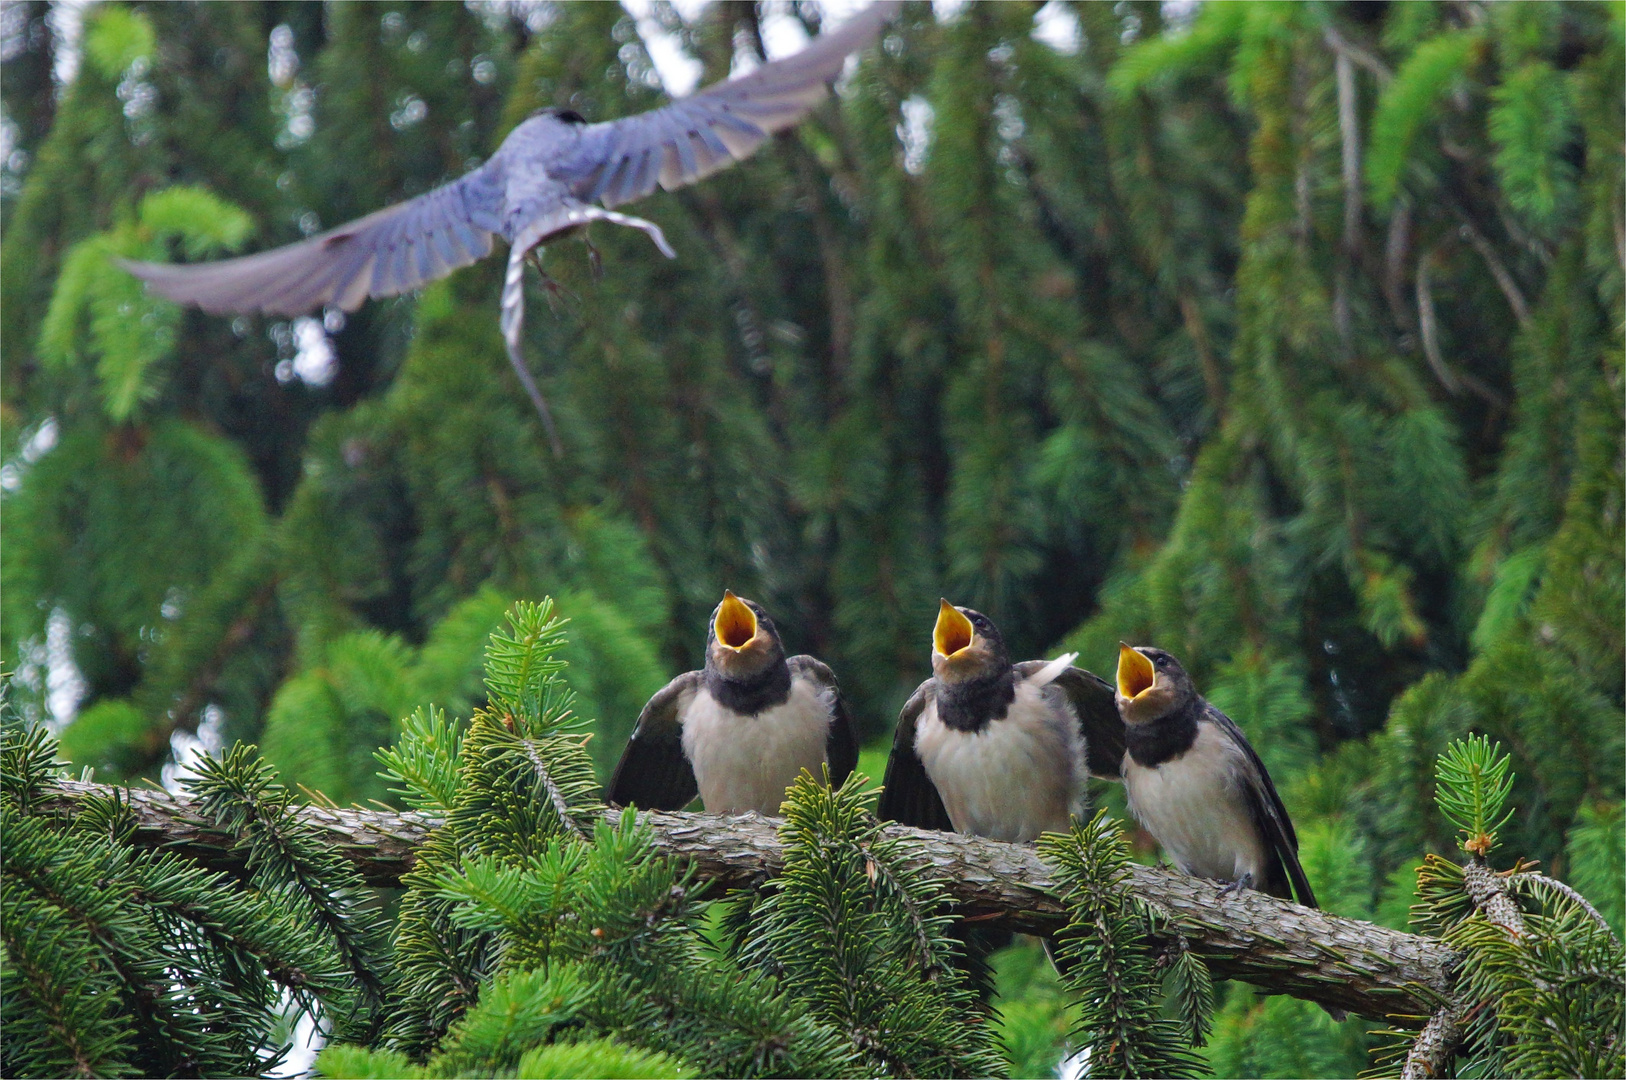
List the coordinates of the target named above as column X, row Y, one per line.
column 742, row 640
column 569, row 116
column 1151, row 684
column 966, row 645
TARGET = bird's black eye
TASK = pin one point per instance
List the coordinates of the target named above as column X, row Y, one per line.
column 1161, row 661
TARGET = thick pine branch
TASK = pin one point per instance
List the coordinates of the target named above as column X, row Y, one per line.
column 1367, row 969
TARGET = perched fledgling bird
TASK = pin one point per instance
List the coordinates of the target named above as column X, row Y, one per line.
column 740, row 731
column 541, row 184
column 1197, row 786
column 996, row 749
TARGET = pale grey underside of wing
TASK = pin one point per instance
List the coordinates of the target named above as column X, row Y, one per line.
column 395, row 250
column 622, row 160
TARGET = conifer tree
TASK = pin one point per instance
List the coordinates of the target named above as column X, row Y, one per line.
column 128, row 962
column 1286, row 338
column 1540, row 987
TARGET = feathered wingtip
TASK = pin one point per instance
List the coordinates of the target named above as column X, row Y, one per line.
column 1052, row 671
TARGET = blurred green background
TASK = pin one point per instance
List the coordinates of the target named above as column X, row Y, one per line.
column 1285, row 337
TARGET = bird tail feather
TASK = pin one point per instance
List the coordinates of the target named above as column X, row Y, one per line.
column 513, row 323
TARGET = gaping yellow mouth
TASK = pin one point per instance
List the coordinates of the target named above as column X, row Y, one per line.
column 1135, row 672
column 736, row 622
column 952, row 632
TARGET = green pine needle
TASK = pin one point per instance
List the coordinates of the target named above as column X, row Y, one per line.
column 1474, row 779
column 425, row 761
column 1110, row 973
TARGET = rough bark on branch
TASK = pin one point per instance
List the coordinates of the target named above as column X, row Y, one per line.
column 1436, row 1046
column 1344, row 963
column 1435, row 1050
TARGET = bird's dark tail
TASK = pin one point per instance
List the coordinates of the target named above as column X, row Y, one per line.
column 1062, row 963
column 978, row 944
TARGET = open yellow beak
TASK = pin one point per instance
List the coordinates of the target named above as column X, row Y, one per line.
column 952, row 632
column 1135, row 673
column 736, row 622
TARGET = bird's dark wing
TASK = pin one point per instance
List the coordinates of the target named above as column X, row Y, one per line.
column 908, row 795
column 1269, row 817
column 1096, row 704
column 392, row 251
column 621, row 160
column 653, row 772
column 840, row 745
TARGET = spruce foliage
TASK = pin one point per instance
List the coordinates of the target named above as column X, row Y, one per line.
column 128, row 962
column 1285, row 337
column 1110, row 971
column 1541, row 984
column 861, row 939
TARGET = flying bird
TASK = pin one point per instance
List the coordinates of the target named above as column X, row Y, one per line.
column 739, row 731
column 553, row 175
column 996, row 749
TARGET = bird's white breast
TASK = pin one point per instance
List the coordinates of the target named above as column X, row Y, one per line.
column 746, row 762
column 1017, row 777
column 1197, row 808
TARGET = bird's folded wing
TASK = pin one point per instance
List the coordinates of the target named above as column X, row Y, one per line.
column 840, row 744
column 392, row 251
column 1096, row 706
column 621, row 160
column 653, row 773
column 909, row 797
column 1270, row 816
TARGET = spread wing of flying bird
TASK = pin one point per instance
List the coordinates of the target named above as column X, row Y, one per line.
column 553, row 174
column 622, row 160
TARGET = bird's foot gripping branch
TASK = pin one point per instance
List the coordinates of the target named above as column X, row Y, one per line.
column 539, row 929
